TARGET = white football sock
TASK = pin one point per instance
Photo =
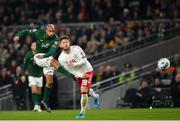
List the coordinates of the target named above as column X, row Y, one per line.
column 84, row 100
column 92, row 93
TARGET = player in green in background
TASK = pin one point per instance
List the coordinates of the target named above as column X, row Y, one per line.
column 46, row 45
column 35, row 77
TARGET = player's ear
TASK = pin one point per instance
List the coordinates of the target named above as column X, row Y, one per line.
column 60, row 44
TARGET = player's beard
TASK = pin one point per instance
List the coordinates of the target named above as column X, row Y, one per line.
column 67, row 50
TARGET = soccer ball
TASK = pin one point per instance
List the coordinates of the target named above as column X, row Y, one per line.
column 163, row 64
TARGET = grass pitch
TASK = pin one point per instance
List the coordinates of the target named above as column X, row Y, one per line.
column 100, row 114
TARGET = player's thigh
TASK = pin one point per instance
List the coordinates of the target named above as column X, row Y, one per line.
column 87, row 82
column 32, row 81
column 85, row 85
column 35, row 83
column 39, row 90
column 44, row 62
column 39, row 82
column 48, row 71
column 84, row 89
column 34, row 89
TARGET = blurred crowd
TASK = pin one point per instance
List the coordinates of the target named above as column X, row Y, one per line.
column 60, row 11
column 125, row 75
column 158, row 88
column 92, row 39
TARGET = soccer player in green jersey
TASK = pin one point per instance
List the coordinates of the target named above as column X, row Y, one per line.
column 35, row 77
column 46, row 45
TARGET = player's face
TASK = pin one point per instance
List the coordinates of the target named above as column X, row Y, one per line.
column 65, row 44
column 33, row 46
column 50, row 31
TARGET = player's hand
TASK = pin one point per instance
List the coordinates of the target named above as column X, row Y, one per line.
column 39, row 56
column 16, row 38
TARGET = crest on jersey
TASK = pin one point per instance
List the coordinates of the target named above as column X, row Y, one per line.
column 45, row 45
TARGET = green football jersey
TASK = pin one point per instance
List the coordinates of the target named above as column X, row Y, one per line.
column 29, row 63
column 44, row 44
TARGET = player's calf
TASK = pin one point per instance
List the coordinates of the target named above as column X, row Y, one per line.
column 84, row 99
column 47, row 91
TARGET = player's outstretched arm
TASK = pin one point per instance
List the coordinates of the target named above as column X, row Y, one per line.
column 30, row 32
column 82, row 57
column 24, row 67
column 25, row 63
column 80, row 62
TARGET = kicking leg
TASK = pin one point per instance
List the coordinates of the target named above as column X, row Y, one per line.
column 57, row 66
column 54, row 63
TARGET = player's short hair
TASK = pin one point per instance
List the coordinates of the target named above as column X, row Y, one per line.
column 33, row 42
column 64, row 37
column 50, row 26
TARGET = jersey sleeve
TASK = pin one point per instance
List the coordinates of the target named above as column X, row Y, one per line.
column 30, row 32
column 52, row 50
column 81, row 57
column 57, row 53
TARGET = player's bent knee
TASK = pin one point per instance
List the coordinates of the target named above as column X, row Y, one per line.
column 38, row 90
column 54, row 63
column 34, row 89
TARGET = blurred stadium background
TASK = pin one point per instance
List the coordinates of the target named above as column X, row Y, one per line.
column 123, row 39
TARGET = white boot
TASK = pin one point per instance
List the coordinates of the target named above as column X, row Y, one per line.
column 37, row 108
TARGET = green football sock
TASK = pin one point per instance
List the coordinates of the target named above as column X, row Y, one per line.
column 39, row 98
column 62, row 70
column 47, row 92
column 34, row 99
column 84, row 100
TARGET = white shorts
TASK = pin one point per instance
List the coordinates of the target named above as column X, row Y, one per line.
column 35, row 81
column 45, row 63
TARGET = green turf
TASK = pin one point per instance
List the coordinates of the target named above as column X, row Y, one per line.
column 115, row 114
